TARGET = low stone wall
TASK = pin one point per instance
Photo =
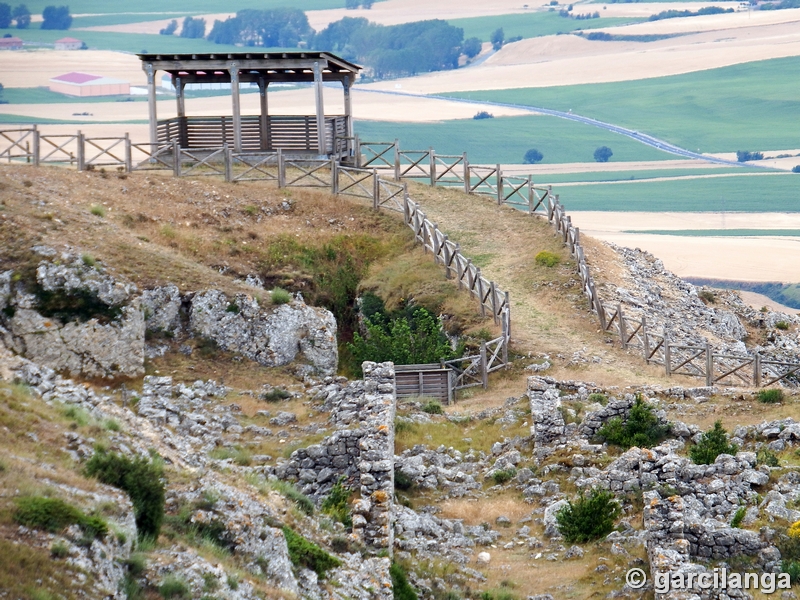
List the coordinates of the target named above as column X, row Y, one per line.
column 362, row 454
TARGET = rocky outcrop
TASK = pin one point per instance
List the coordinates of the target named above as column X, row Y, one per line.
column 74, row 318
column 274, row 337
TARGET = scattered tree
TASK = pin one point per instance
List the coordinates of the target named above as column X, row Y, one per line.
column 712, row 443
column 639, row 428
column 796, row 169
column 56, row 17
column 5, row 15
column 193, row 28
column 497, row 39
column 170, row 29
column 532, row 156
column 483, row 114
column 589, row 517
column 745, row 155
column 275, row 28
column 471, row 47
column 21, row 16
column 602, row 154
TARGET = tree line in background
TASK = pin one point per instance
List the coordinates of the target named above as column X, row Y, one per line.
column 387, row 51
column 53, row 17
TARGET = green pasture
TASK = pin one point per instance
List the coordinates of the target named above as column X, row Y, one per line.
column 535, row 24
column 41, row 95
column 752, row 106
column 25, row 120
column 96, row 20
column 506, row 139
column 743, row 193
column 150, row 10
column 720, row 232
column 645, row 174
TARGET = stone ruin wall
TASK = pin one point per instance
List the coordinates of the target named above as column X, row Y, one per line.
column 362, row 453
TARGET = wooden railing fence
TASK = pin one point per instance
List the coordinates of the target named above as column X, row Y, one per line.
column 367, row 180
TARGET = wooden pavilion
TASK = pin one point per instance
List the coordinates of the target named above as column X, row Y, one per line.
column 310, row 135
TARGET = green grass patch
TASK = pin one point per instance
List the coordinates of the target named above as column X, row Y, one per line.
column 751, row 105
column 506, row 139
column 534, row 24
column 639, row 175
column 772, row 193
column 770, row 396
column 53, row 514
column 41, row 95
column 305, row 553
column 720, row 232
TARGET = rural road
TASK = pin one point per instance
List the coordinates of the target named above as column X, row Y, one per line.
column 634, row 135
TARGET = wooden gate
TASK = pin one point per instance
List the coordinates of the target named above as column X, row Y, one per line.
column 429, row 381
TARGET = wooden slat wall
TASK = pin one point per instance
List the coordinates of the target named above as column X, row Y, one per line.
column 429, row 384
column 285, row 132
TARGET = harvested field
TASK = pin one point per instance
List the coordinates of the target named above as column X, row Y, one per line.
column 736, row 258
column 569, row 59
column 33, row 68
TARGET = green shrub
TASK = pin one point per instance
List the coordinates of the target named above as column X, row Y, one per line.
column 112, row 425
column 434, row 407
column 280, row 296
column 770, row 396
column 712, row 443
column 136, row 564
column 275, row 395
column 240, row 456
column 782, row 325
column 402, row 481
column 640, row 428
column 97, row 210
column 501, row 476
column 302, row 501
column 140, row 479
column 738, row 517
column 304, row 553
column 589, row 517
column 53, row 514
column 173, row 587
column 401, row 588
column 796, row 169
column 59, row 550
column 792, row 567
column 707, row 296
column 337, row 505
column 601, row 399
column 547, row 259
column 404, row 339
column 765, row 456
column 88, row 259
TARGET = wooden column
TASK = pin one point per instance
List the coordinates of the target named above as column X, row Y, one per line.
column 183, row 129
column 348, row 106
column 265, row 133
column 321, row 145
column 151, row 103
column 233, row 69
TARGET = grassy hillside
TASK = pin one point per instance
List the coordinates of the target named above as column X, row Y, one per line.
column 751, row 106
column 506, row 139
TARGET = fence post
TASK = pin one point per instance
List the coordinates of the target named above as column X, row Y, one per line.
column 396, row 159
column 506, row 321
column 479, row 281
column 406, row 207
column 228, row 163
column 757, row 370
column 334, row 177
column 709, row 365
column 81, row 152
column 622, row 333
column 128, row 159
column 459, row 270
column 466, row 174
column 645, row 340
column 499, row 186
column 435, row 243
column 282, row 169
column 376, row 190
column 493, row 292
column 357, row 144
column 530, row 194
column 36, row 148
column 432, row 157
column 667, row 357
column 176, row 158
column 508, row 317
column 484, row 367
column 447, row 257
